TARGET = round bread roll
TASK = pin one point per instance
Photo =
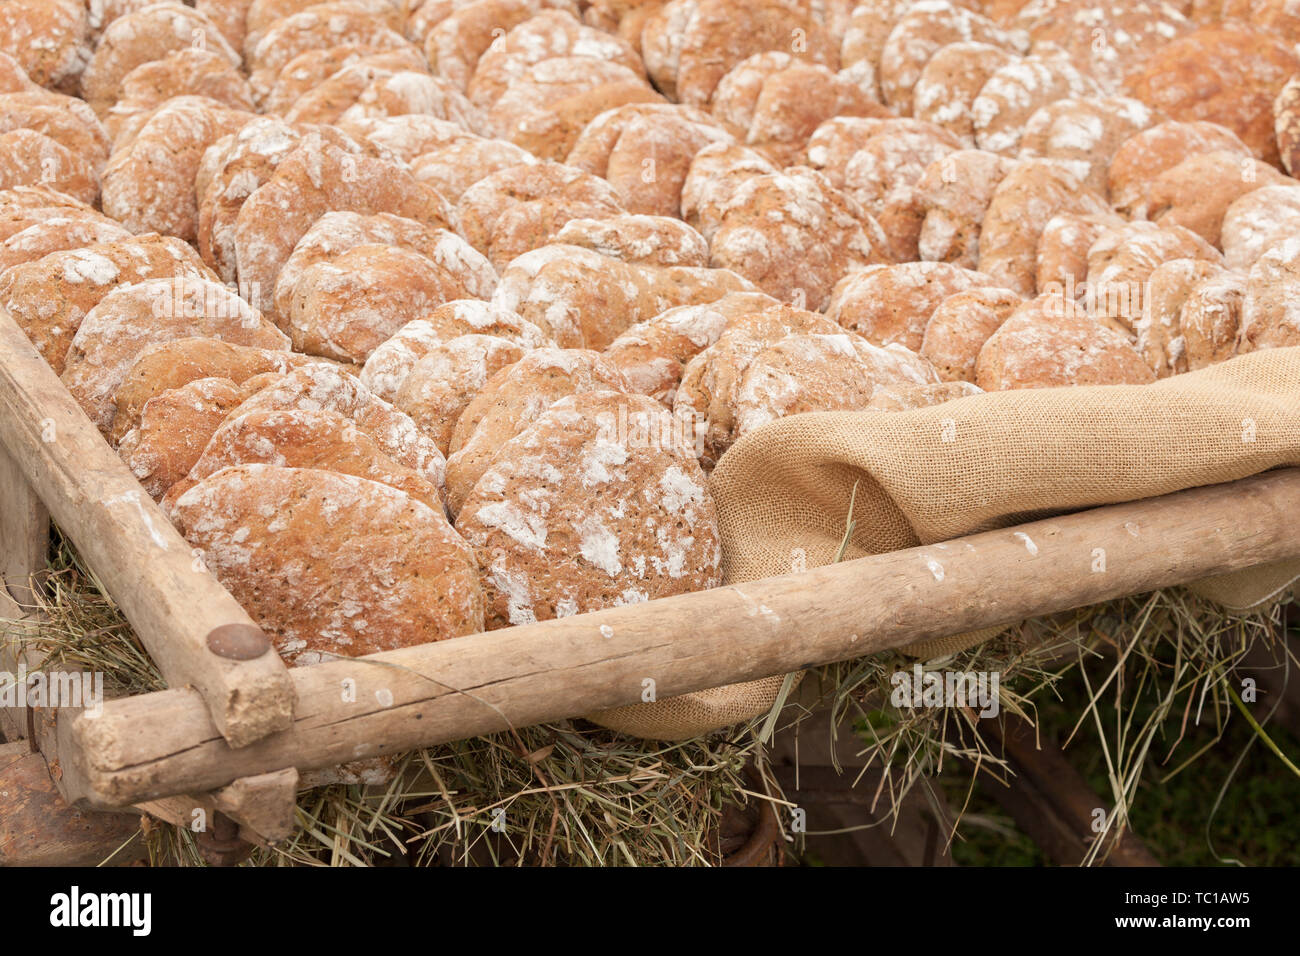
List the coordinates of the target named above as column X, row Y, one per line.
column 580, row 512
column 511, row 399
column 188, row 72
column 822, row 373
column 390, row 364
column 1269, row 315
column 454, row 44
column 653, row 354
column 56, row 234
column 441, row 384
column 149, row 183
column 648, row 240
column 1198, row 191
column 644, row 150
column 1016, row 91
column 130, row 318
column 713, row 181
column 264, row 14
column 1063, row 251
column 312, row 69
column 320, row 386
column 960, row 325
column 1211, row 319
column 48, row 40
column 453, row 168
column 945, row 91
column 1251, row 68
column 64, row 119
column 512, row 211
column 302, row 438
column 955, row 193
column 1159, row 329
column 173, row 429
column 882, row 178
column 1141, row 159
column 172, row 364
column 1050, row 341
column 1086, row 130
column 29, row 158
column 1286, row 124
column 332, row 565
column 49, row 297
column 142, row 36
column 1258, row 219
column 887, row 304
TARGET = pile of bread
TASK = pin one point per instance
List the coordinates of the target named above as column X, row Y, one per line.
column 425, row 317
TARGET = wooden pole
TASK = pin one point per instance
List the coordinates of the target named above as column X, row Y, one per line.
column 159, row 744
column 170, row 600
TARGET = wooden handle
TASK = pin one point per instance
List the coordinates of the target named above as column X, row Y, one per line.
column 147, row 567
column 421, row 696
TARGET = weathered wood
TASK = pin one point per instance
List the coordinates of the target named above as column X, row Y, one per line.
column 37, row 828
column 24, row 531
column 517, row 676
column 1052, row 802
column 169, row 598
column 262, row 807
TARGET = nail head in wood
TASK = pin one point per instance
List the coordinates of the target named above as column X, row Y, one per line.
column 238, row 642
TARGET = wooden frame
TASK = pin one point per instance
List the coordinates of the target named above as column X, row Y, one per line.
column 235, row 732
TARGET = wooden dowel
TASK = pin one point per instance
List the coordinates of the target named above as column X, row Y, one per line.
column 148, row 568
column 160, row 744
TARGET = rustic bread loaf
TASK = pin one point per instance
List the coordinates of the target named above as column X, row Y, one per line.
column 454, row 44
column 1141, row 158
column 49, row 297
column 580, row 512
column 130, row 318
column 392, row 361
column 1269, row 318
column 955, row 193
column 1198, row 191
column 64, row 119
column 332, row 565
column 644, row 150
column 309, row 70
column 55, row 234
column 1258, row 219
column 453, row 168
column 653, row 354
column 189, row 72
column 1050, row 341
column 1063, row 250
column 49, row 41
column 443, row 382
column 29, row 158
column 887, row 304
column 1017, row 90
column 960, row 325
column 643, row 240
column 1159, row 331
column 946, row 90
column 1086, row 130
column 510, row 400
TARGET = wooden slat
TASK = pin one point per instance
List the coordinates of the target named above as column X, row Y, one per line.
column 517, row 676
column 147, row 567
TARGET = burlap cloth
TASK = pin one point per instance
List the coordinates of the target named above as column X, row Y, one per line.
column 976, row 464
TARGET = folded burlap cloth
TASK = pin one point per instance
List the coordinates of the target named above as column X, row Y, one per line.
column 975, row 464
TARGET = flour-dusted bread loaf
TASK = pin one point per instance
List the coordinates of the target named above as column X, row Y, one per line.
column 584, row 299
column 441, row 384
column 29, row 158
column 1063, row 250
column 1159, row 331
column 690, row 45
column 332, row 565
column 49, row 40
column 1023, row 203
column 546, row 108
column 1251, row 68
column 886, row 304
column 1017, row 90
column 66, row 120
column 645, row 240
column 513, row 211
column 455, row 43
column 314, row 178
column 302, row 438
column 1270, row 318
column 50, row 296
column 1086, row 130
column 149, row 182
column 263, row 15
column 348, row 306
column 173, row 429
column 389, row 364
column 653, row 354
column 13, row 78
column 1122, row 259
column 711, row 380
column 774, row 101
column 579, row 513
column 960, row 325
column 407, row 136
column 142, row 36
column 453, row 168
column 365, row 91
column 132, row 317
column 229, row 16
column 311, row 70
column 1210, row 319
column 1257, row 220
column 1286, row 124
column 191, row 71
column 1143, row 157
column 793, row 235
column 56, row 234
column 946, row 90
column 511, row 399
column 322, row 386
column 713, row 180
column 1198, row 191
column 824, row 373
column 172, row 364
column 546, row 35
column 954, row 194
column 1050, row 341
